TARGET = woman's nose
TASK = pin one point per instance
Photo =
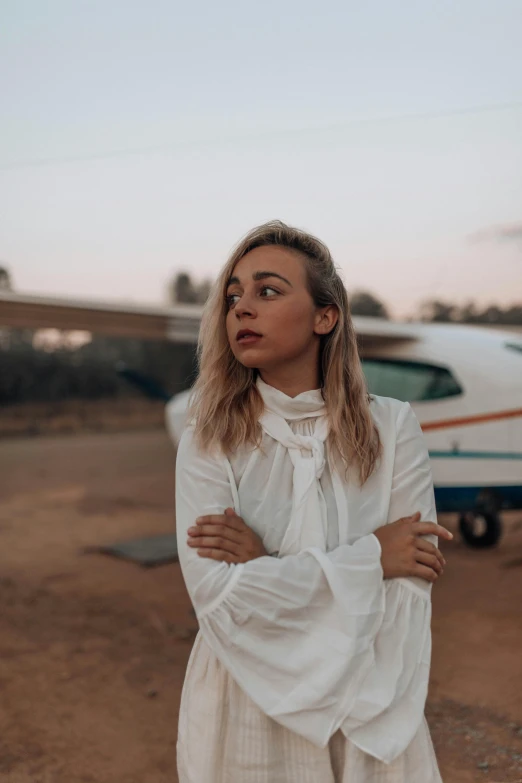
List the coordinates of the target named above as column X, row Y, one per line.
column 244, row 307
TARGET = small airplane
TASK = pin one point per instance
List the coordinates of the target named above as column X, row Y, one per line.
column 465, row 386
column 464, row 383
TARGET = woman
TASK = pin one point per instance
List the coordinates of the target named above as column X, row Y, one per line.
column 309, row 575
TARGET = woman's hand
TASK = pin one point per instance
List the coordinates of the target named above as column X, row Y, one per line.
column 406, row 553
column 225, row 537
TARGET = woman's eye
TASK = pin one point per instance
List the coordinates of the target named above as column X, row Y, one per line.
column 269, row 288
column 231, row 299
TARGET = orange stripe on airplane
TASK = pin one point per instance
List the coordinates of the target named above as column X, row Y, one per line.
column 465, row 421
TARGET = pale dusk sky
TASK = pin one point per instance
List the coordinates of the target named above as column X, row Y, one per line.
column 140, row 139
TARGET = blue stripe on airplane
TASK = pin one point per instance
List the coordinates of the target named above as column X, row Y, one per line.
column 465, row 498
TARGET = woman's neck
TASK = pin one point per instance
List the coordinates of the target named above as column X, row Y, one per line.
column 291, row 382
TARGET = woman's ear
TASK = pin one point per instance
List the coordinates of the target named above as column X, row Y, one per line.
column 326, row 319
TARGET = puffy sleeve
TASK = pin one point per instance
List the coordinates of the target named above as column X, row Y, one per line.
column 391, row 698
column 317, row 640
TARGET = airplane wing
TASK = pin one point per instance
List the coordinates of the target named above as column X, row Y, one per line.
column 377, row 332
column 179, row 323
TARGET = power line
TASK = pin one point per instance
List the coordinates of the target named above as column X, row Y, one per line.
column 131, row 151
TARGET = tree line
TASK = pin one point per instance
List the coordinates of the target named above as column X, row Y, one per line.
column 185, row 290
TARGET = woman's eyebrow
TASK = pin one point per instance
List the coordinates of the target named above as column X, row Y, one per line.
column 260, row 276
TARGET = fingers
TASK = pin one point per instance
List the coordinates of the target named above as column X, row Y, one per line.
column 431, row 529
column 427, row 546
column 218, row 554
column 408, row 520
column 432, row 561
column 425, row 572
column 218, row 536
column 230, row 520
column 229, row 537
column 214, row 542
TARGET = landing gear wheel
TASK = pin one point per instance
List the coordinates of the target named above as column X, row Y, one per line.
column 480, row 529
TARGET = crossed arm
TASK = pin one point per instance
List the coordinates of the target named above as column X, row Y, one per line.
column 404, row 552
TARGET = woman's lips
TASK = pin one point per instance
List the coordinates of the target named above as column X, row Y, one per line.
column 247, row 339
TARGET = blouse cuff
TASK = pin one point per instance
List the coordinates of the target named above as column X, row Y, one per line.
column 377, row 543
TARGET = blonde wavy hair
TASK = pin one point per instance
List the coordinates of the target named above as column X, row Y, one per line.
column 225, row 405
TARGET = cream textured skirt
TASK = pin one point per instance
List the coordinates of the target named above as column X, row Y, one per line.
column 224, row 737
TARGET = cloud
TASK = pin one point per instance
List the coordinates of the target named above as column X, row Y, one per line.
column 509, row 232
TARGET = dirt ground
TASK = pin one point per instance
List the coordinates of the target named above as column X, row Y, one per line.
column 71, row 416
column 93, row 650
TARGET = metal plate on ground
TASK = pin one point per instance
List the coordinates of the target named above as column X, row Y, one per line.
column 147, row 552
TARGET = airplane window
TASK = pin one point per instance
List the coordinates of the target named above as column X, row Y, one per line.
column 409, row 381
column 514, row 346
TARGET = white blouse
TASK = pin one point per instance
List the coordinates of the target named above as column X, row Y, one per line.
column 307, row 663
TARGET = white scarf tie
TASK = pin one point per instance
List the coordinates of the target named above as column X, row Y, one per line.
column 308, row 523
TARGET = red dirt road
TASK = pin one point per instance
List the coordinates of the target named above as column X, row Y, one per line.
column 93, row 650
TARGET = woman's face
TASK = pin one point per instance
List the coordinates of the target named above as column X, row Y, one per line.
column 267, row 294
